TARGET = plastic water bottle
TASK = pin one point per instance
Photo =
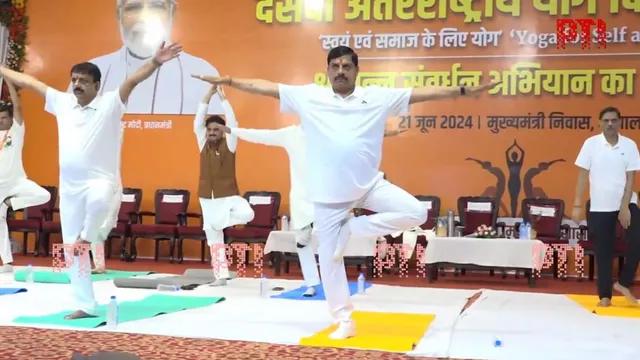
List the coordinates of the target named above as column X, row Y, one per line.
column 521, row 230
column 361, row 281
column 264, row 287
column 284, row 223
column 528, row 231
column 112, row 313
column 29, row 274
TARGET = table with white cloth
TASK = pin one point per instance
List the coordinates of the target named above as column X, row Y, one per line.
column 284, row 248
column 513, row 254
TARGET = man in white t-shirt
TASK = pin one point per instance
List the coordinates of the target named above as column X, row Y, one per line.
column 16, row 191
column 89, row 144
column 610, row 162
column 344, row 127
column 292, row 140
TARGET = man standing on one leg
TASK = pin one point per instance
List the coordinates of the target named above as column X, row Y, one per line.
column 610, row 161
column 344, row 126
column 292, row 140
column 16, row 191
column 221, row 205
column 98, row 248
column 89, row 128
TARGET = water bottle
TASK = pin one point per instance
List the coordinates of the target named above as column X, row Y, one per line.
column 285, row 223
column 522, row 231
column 361, row 281
column 29, row 274
column 451, row 219
column 112, row 313
column 264, row 287
column 527, row 231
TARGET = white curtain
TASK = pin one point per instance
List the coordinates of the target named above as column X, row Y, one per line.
column 4, row 47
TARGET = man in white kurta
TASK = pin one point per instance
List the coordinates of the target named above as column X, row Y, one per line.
column 16, row 191
column 89, row 128
column 218, row 194
column 344, row 127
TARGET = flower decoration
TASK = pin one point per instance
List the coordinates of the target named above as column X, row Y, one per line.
column 15, row 19
column 486, row 232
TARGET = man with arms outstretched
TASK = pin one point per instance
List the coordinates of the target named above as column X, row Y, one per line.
column 16, row 191
column 89, row 129
column 344, row 127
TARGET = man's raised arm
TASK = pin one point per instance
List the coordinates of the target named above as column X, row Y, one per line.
column 15, row 101
column 199, row 126
column 446, row 92
column 252, row 86
column 164, row 54
column 24, row 81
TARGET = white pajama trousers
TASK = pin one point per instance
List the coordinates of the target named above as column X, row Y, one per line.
column 217, row 215
column 396, row 209
column 23, row 193
column 82, row 215
column 307, row 258
column 97, row 248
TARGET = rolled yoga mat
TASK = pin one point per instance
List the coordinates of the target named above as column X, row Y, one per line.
column 148, row 307
column 11, row 291
column 61, row 277
column 194, row 277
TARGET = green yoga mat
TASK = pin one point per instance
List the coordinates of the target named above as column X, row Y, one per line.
column 61, row 277
column 146, row 308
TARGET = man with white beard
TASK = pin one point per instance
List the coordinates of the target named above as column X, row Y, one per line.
column 144, row 25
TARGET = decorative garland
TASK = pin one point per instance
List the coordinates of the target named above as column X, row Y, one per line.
column 16, row 20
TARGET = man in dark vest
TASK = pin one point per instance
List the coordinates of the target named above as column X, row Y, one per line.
column 221, row 205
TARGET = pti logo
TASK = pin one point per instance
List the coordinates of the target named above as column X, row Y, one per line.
column 567, row 31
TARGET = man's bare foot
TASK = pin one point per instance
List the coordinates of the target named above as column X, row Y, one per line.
column 604, row 302
column 626, row 292
column 79, row 315
column 99, row 270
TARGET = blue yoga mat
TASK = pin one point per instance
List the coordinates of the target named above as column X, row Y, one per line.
column 296, row 294
column 11, row 291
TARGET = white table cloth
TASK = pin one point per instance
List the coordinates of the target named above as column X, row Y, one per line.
column 511, row 253
column 285, row 241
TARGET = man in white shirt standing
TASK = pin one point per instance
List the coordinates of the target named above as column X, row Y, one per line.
column 89, row 128
column 344, row 127
column 610, row 162
column 16, row 191
column 221, row 204
column 292, row 140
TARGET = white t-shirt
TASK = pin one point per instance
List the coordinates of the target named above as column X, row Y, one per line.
column 11, row 167
column 344, row 136
column 89, row 138
column 608, row 166
column 292, row 140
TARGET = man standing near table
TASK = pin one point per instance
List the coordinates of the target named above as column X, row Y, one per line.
column 610, row 162
column 344, row 127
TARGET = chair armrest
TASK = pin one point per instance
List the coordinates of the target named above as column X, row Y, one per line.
column 48, row 213
column 145, row 213
column 565, row 231
column 182, row 218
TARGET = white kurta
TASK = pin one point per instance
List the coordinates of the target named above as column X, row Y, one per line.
column 292, row 140
column 220, row 213
column 170, row 90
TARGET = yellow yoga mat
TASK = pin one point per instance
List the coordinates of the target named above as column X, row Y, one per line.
column 620, row 307
column 394, row 332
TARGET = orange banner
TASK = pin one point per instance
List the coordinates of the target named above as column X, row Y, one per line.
column 519, row 140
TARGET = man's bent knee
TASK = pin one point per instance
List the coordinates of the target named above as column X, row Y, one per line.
column 417, row 213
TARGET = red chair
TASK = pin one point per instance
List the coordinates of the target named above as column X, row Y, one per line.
column 265, row 220
column 127, row 216
column 619, row 251
column 169, row 204
column 471, row 219
column 185, row 231
column 32, row 220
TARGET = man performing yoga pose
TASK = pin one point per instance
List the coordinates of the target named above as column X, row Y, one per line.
column 221, row 205
column 16, row 191
column 292, row 140
column 344, row 127
column 89, row 129
column 98, row 248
